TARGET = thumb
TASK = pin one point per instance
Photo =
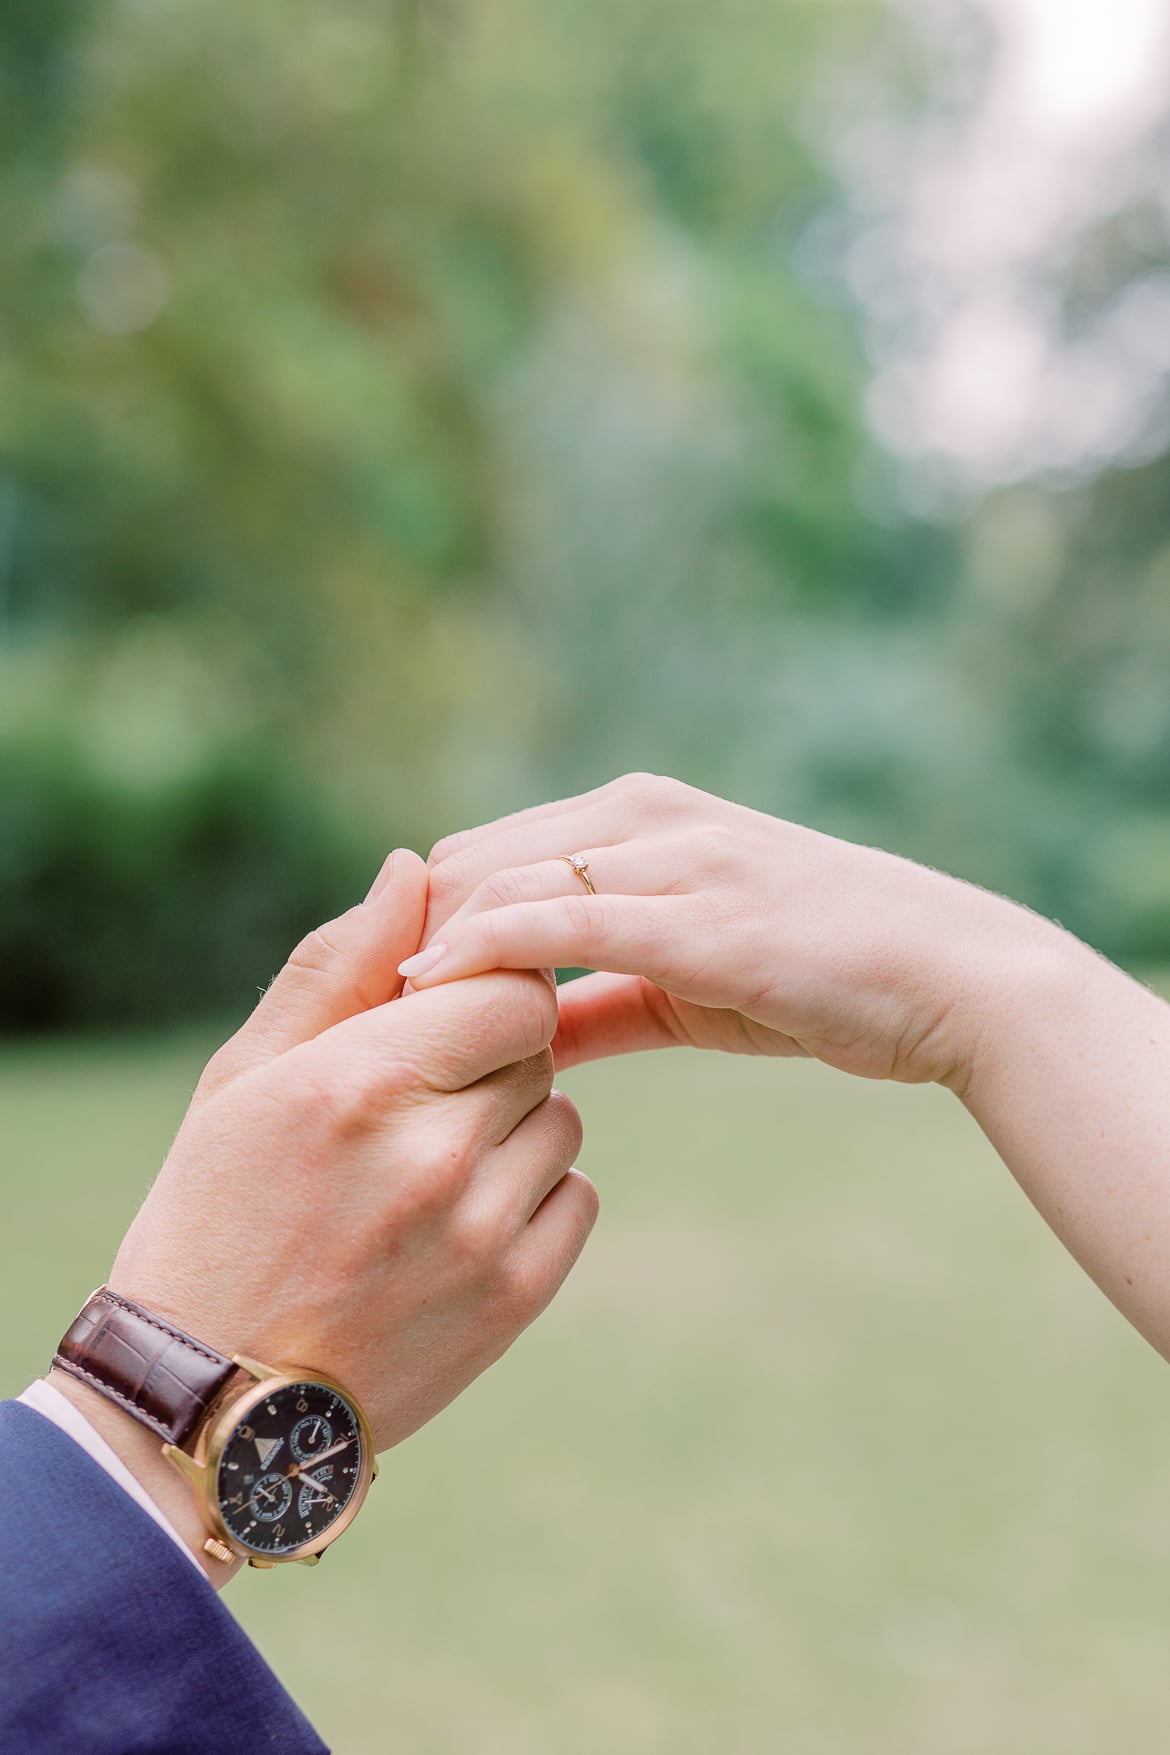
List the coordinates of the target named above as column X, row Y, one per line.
column 349, row 965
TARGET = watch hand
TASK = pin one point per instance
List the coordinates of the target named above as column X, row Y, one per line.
column 332, row 1451
column 312, row 1481
column 324, row 1456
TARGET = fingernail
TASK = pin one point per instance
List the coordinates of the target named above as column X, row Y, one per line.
column 383, row 877
column 421, row 962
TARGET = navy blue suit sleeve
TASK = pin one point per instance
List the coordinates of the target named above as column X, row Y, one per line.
column 110, row 1642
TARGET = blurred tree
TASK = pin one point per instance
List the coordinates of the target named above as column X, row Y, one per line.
column 408, row 410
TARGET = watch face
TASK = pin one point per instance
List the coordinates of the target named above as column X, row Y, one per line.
column 289, row 1468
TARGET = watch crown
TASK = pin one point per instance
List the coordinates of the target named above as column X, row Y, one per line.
column 218, row 1550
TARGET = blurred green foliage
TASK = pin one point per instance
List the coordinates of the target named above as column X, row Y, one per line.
column 123, row 905
column 408, row 410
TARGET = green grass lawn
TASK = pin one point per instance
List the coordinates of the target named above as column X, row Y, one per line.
column 827, row 1446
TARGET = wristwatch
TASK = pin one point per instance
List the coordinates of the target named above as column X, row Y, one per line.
column 279, row 1458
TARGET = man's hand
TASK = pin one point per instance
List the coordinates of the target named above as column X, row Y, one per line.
column 376, row 1187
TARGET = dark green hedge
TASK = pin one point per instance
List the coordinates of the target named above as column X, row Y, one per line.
column 118, row 907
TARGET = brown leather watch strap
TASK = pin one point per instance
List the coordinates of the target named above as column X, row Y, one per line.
column 166, row 1379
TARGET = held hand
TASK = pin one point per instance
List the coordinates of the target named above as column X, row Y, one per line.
column 380, row 1189
column 723, row 928
column 733, row 930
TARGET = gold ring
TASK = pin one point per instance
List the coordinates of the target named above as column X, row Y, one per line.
column 581, row 866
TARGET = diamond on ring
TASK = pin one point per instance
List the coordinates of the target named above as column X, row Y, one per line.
column 580, row 865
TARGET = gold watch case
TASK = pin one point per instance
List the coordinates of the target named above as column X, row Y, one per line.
column 201, row 1470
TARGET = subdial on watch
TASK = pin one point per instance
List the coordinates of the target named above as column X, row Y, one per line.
column 310, row 1437
column 270, row 1498
column 316, row 1495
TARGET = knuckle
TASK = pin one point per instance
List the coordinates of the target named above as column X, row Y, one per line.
column 543, row 1003
column 350, row 1108
column 439, row 1173
column 538, row 1070
column 652, row 792
column 314, row 1102
column 530, row 1078
column 523, row 1018
column 633, row 784
column 349, row 1099
column 447, row 877
column 221, row 1069
column 445, row 847
column 586, row 917
column 706, row 851
column 668, row 798
column 588, row 1203
column 476, row 1240
column 520, row 1291
column 579, row 1215
column 528, row 1281
column 505, row 888
column 319, row 949
column 396, row 1079
column 568, row 1128
column 487, row 932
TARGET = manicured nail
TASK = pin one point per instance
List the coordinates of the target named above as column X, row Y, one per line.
column 383, row 878
column 422, row 962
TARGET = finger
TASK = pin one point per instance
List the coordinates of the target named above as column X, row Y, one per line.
column 650, row 867
column 630, row 935
column 343, row 968
column 452, row 1036
column 515, row 1178
column 517, row 820
column 624, row 809
column 453, row 881
column 604, row 1015
column 554, row 1237
column 616, row 870
column 496, row 1105
column 604, row 820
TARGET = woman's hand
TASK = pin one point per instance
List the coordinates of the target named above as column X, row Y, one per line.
column 725, row 929
column 733, row 930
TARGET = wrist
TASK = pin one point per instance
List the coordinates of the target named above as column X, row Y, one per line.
column 1030, row 978
column 963, row 975
column 141, row 1452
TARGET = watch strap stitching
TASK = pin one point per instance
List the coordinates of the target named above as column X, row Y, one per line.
column 113, row 1395
column 105, row 1295
column 109, row 1346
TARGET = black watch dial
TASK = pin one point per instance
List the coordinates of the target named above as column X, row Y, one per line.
column 290, row 1468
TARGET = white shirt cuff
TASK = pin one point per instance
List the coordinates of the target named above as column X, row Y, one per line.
column 44, row 1399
